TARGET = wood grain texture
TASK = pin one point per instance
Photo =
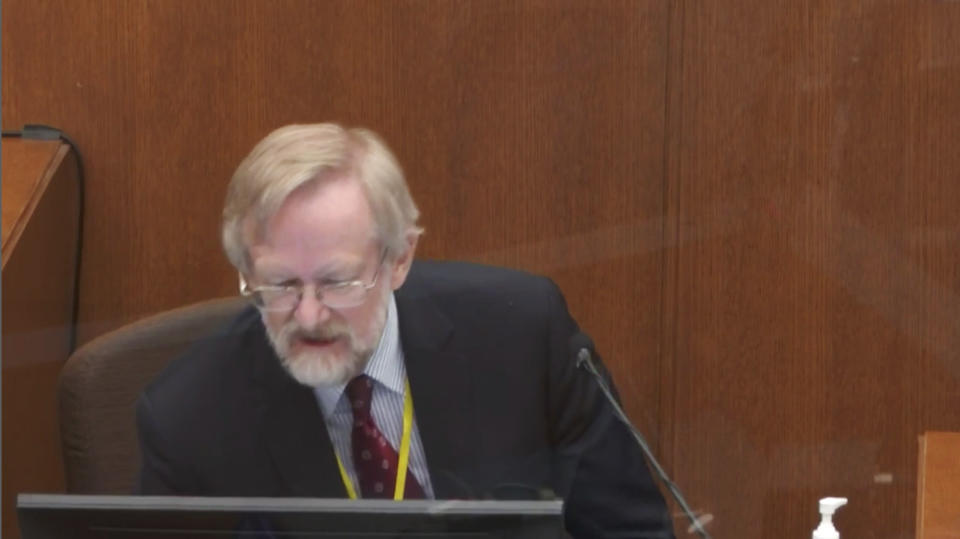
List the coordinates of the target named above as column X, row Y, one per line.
column 531, row 133
column 507, row 117
column 750, row 206
column 27, row 171
column 815, row 297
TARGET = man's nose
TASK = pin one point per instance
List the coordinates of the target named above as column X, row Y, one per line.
column 311, row 313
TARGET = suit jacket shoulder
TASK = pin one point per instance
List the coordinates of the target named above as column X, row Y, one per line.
column 486, row 302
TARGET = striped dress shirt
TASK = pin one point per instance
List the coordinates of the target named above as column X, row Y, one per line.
column 386, row 368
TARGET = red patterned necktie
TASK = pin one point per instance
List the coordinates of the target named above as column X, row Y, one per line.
column 374, row 459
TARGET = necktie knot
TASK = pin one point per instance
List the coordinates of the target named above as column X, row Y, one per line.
column 359, row 393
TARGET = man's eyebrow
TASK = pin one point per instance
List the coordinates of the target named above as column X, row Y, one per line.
column 339, row 271
column 344, row 269
column 275, row 273
column 278, row 278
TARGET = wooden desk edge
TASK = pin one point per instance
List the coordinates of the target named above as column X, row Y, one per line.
column 31, row 204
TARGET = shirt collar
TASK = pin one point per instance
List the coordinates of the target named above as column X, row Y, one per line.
column 385, row 365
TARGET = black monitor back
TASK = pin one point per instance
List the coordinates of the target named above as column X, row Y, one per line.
column 56, row 516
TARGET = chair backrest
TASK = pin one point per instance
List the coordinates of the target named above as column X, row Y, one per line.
column 938, row 486
column 100, row 384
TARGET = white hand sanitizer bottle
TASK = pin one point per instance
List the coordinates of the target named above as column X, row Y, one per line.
column 828, row 506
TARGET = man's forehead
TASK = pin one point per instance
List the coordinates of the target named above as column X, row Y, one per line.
column 310, row 260
column 332, row 211
column 339, row 247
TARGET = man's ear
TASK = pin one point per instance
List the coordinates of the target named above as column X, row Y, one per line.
column 400, row 267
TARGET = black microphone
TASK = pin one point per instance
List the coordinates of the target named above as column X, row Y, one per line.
column 580, row 347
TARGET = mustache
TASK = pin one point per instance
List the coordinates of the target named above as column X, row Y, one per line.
column 321, row 333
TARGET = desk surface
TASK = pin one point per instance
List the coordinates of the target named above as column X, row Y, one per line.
column 28, row 166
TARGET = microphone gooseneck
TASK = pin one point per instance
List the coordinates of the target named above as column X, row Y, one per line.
column 582, row 345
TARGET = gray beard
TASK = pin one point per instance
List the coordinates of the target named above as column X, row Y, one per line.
column 323, row 369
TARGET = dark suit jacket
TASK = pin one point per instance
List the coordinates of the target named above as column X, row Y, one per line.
column 501, row 408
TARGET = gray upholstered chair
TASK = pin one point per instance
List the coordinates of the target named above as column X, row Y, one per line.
column 100, row 384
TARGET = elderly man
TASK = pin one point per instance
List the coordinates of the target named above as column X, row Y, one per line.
column 358, row 372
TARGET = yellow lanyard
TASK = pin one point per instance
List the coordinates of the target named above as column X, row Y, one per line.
column 404, row 456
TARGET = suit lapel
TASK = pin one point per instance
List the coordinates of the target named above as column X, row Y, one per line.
column 442, row 391
column 294, row 431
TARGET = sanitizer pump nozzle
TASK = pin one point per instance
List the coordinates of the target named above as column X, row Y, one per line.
column 828, row 506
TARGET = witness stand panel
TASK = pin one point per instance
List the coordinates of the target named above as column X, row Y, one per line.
column 40, row 223
column 938, row 486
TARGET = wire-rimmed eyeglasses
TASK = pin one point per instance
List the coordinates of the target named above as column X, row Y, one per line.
column 337, row 295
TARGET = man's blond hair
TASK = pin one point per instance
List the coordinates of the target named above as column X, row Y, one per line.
column 295, row 155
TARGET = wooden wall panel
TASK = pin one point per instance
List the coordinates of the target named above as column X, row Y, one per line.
column 750, row 205
column 812, row 299
column 531, row 132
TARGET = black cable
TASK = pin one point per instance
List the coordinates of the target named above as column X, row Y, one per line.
column 44, row 132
